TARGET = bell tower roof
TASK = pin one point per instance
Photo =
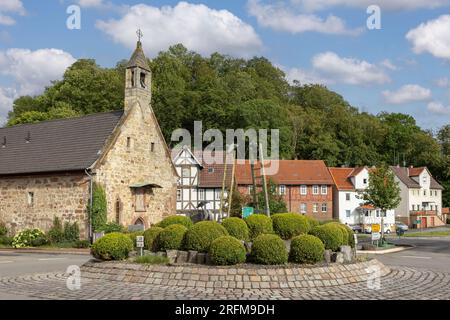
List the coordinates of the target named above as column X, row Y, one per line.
column 138, row 58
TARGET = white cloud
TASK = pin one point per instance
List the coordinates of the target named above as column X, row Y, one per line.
column 197, row 26
column 10, row 7
column 438, row 108
column 406, row 94
column 282, row 18
column 432, row 37
column 348, row 70
column 388, row 64
column 90, row 3
column 303, row 76
column 7, row 96
column 443, row 82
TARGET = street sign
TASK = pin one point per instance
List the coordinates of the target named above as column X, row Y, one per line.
column 375, row 228
column 140, row 241
column 376, row 236
column 418, row 221
column 247, row 212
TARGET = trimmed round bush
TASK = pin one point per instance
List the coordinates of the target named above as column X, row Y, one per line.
column 227, row 250
column 259, row 224
column 202, row 234
column 347, row 233
column 236, row 227
column 269, row 249
column 150, row 236
column 330, row 234
column 171, row 237
column 289, row 225
column 312, row 222
column 306, row 248
column 183, row 220
column 113, row 246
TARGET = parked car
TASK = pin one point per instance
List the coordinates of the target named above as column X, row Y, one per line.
column 356, row 228
column 401, row 225
column 387, row 228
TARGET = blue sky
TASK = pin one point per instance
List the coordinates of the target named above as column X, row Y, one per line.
column 402, row 67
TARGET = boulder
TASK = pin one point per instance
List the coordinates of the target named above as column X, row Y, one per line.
column 337, row 257
column 161, row 253
column 192, row 256
column 208, row 259
column 201, row 258
column 327, row 256
column 182, row 257
column 172, row 255
column 347, row 252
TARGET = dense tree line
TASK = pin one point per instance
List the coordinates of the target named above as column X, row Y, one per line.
column 225, row 92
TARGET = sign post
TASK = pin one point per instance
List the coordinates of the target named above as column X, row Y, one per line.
column 140, row 244
column 376, row 236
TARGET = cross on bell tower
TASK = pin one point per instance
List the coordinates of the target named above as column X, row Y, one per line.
column 138, row 77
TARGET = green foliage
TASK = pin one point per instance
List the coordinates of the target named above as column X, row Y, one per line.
column 82, row 244
column 330, row 234
column 3, row 229
column 39, row 241
column 347, row 234
column 259, row 224
column 171, row 237
column 111, row 227
column 113, row 246
column 312, row 222
column 383, row 191
column 227, row 250
column 56, row 232
column 276, row 202
column 98, row 212
column 236, row 227
column 71, row 232
column 150, row 236
column 148, row 259
column 289, row 225
column 183, row 220
column 306, row 249
column 6, row 241
column 269, row 249
column 202, row 234
column 133, row 235
column 25, row 238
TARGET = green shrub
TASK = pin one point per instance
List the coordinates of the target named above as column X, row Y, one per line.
column 113, row 246
column 25, row 238
column 150, row 236
column 322, row 222
column 133, row 235
column 111, row 227
column 227, row 250
column 306, row 248
column 288, row 225
column 171, row 237
column 259, row 224
column 82, row 244
column 312, row 222
column 347, row 233
column 183, row 220
column 56, row 232
column 3, row 229
column 98, row 211
column 448, row 219
column 269, row 249
column 330, row 234
column 152, row 260
column 202, row 234
column 236, row 227
column 71, row 232
column 6, row 241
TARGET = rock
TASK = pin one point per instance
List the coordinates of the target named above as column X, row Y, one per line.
column 207, row 259
column 347, row 252
column 201, row 258
column 287, row 243
column 182, row 257
column 161, row 254
column 172, row 255
column 327, row 256
column 133, row 254
column 192, row 256
column 368, row 246
column 248, row 246
column 337, row 257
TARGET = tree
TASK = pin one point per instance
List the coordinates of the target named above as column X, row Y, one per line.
column 276, row 202
column 383, row 191
column 98, row 211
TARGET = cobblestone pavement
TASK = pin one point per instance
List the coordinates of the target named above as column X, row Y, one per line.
column 401, row 283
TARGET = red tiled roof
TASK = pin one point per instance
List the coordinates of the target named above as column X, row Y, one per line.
column 414, row 172
column 290, row 172
column 366, row 206
column 341, row 178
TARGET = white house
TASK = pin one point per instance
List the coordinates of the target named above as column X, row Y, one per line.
column 200, row 181
column 348, row 205
column 421, row 197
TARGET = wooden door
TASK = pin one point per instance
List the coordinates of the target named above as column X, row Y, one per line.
column 424, row 222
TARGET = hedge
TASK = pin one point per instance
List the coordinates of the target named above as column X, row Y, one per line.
column 236, row 227
column 26, row 237
column 202, row 234
column 227, row 250
column 183, row 220
column 259, row 224
column 171, row 237
column 306, row 248
column 269, row 249
column 150, row 236
column 113, row 246
column 288, row 225
column 330, row 234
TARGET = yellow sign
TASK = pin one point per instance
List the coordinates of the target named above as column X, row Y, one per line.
column 375, row 228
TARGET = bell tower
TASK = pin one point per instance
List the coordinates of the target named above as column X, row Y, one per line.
column 138, row 78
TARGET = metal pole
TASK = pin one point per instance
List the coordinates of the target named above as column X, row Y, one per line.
column 263, row 173
column 223, row 184
column 232, row 184
column 255, row 200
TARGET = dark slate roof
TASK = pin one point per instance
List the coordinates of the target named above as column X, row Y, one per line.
column 55, row 145
column 405, row 175
column 138, row 58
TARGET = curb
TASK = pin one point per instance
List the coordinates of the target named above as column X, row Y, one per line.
column 47, row 251
column 402, row 248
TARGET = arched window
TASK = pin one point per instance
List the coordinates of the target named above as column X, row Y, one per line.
column 139, row 221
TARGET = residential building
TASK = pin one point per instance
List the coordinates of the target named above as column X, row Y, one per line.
column 47, row 169
column 421, row 204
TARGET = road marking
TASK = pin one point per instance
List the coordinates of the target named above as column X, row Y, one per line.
column 7, row 261
column 49, row 259
column 415, row 257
